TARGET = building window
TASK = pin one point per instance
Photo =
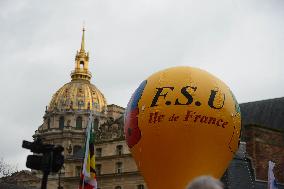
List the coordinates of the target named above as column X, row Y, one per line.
column 96, row 124
column 98, row 169
column 79, row 122
column 78, row 170
column 81, row 64
column 48, row 123
column 118, row 187
column 77, row 149
column 140, row 186
column 61, row 122
column 118, row 167
column 99, row 152
column 119, row 150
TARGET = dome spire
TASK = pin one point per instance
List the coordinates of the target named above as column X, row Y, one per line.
column 83, row 41
column 81, row 71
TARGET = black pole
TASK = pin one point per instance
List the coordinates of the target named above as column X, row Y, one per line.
column 59, row 179
column 44, row 179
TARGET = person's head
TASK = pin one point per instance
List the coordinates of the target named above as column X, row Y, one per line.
column 205, row 182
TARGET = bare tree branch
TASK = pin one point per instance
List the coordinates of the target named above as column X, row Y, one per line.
column 6, row 169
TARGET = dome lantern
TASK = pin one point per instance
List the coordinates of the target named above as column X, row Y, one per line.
column 81, row 71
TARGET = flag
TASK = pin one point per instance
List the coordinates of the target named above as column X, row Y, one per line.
column 271, row 179
column 88, row 176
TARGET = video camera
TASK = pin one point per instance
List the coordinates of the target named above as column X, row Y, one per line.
column 47, row 158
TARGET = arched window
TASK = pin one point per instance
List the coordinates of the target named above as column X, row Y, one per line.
column 79, row 122
column 119, row 150
column 98, row 169
column 61, row 122
column 96, row 124
column 118, row 187
column 48, row 123
column 118, row 167
column 81, row 64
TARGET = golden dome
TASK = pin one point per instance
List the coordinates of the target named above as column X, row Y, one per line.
column 79, row 94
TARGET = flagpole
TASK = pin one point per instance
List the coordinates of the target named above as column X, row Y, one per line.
column 88, row 175
column 86, row 145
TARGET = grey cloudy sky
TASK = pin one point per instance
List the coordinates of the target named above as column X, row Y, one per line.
column 239, row 41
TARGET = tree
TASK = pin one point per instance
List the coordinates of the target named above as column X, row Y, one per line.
column 6, row 169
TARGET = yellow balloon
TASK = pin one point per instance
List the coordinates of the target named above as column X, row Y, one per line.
column 181, row 123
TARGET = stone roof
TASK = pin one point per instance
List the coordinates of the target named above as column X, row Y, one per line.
column 19, row 176
column 19, row 180
column 266, row 113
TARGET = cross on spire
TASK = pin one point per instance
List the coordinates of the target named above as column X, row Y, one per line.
column 83, row 41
